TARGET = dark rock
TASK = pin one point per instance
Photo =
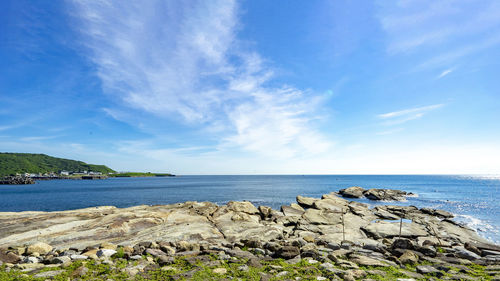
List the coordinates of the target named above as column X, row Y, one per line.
column 252, row 243
column 437, row 213
column 165, row 260
column 427, row 269
column 461, row 252
column 287, row 252
column 265, row 212
column 385, row 194
column 9, row 257
column 472, row 248
column 403, row 244
column 16, row 180
column 427, row 251
column 155, row 252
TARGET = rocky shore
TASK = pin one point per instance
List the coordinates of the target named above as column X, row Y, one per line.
column 16, row 180
column 328, row 238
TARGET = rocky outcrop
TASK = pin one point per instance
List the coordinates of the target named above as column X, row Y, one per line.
column 16, row 180
column 374, row 194
column 385, row 194
column 305, row 226
column 341, row 235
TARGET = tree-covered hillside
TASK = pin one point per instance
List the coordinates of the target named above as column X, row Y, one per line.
column 12, row 163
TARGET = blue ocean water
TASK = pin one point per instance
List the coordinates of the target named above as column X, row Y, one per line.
column 474, row 199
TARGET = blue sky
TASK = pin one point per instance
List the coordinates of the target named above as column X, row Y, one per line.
column 254, row 87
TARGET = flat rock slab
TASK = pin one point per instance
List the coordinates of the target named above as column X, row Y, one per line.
column 388, row 229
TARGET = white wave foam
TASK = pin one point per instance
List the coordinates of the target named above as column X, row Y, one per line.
column 481, row 227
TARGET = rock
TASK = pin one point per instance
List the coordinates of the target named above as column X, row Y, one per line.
column 155, row 252
column 244, row 207
column 9, row 257
column 287, row 252
column 427, row 269
column 48, row 274
column 30, row 260
column 78, row 257
column 314, row 216
column 105, row 253
column 357, row 273
column 329, row 204
column 243, row 268
column 385, row 194
column 297, row 206
column 220, row 271
column 167, row 249
column 388, row 230
column 290, row 211
column 306, row 202
column 107, row 245
column 408, row 257
column 80, row 271
column 165, row 260
column 461, row 252
column 402, row 244
column 40, row 247
column 381, row 213
column 265, row 212
column 367, row 261
column 61, row 260
column 352, row 192
column 437, row 213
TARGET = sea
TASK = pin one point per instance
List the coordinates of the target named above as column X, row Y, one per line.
column 475, row 200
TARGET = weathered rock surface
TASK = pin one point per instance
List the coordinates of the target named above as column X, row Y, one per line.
column 385, row 194
column 352, row 192
column 313, row 228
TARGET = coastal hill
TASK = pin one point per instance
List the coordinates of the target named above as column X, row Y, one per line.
column 13, row 163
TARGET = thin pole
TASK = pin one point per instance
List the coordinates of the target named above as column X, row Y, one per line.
column 343, row 226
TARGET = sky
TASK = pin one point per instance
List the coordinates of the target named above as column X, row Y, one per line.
column 254, row 87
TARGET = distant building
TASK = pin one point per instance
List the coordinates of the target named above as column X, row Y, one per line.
column 64, row 173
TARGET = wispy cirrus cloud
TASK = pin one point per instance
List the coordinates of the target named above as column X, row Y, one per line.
column 449, row 29
column 405, row 115
column 183, row 61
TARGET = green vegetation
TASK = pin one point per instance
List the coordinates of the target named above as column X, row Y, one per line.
column 209, row 268
column 13, row 163
column 138, row 174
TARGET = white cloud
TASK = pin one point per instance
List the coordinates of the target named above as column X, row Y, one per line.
column 183, row 61
column 445, row 72
column 445, row 28
column 405, row 115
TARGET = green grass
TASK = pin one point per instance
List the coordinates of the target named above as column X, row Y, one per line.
column 303, row 269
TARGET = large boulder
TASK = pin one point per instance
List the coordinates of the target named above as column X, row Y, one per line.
column 329, row 204
column 245, row 207
column 385, row 194
column 306, row 202
column 290, row 211
column 352, row 192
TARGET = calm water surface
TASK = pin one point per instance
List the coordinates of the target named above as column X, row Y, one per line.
column 474, row 199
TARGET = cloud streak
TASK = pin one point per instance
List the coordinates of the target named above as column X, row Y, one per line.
column 405, row 115
column 183, row 61
column 444, row 28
